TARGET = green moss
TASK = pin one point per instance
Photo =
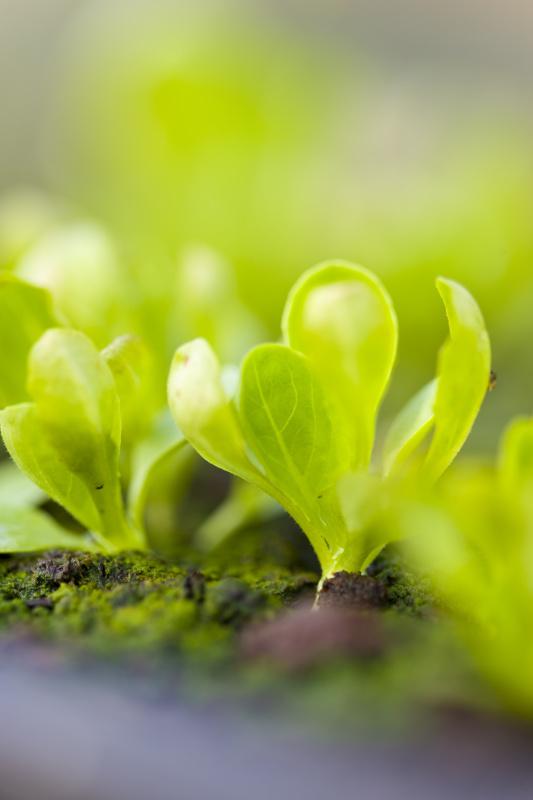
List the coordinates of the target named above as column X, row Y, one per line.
column 407, row 592
column 180, row 624
column 139, row 605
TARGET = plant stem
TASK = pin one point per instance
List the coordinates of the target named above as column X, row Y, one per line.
column 117, row 531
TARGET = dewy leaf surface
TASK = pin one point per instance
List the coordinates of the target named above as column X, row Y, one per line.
column 25, row 314
column 463, row 376
column 29, row 531
column 341, row 317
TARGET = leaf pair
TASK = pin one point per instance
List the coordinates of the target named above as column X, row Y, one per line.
column 304, row 415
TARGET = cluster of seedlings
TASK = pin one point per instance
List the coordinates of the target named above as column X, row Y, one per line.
column 98, row 445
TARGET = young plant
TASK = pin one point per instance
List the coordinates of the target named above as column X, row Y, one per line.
column 68, row 428
column 479, row 558
column 154, row 466
column 299, row 423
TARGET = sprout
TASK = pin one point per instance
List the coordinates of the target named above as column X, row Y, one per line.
column 301, row 426
column 70, row 412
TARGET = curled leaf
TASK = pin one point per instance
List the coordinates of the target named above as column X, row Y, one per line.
column 463, row 376
column 450, row 404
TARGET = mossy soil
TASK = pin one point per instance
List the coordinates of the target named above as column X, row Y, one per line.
column 238, row 625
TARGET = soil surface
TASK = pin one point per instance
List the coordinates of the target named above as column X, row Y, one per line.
column 137, row 661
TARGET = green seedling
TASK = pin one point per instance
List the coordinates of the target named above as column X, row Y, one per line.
column 64, row 261
column 78, row 412
column 299, row 419
column 473, row 538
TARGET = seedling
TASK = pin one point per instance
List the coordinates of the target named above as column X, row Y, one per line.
column 81, row 411
column 72, row 279
column 479, row 558
column 299, row 421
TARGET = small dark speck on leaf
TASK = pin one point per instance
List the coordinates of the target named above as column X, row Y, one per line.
column 493, row 380
column 100, row 486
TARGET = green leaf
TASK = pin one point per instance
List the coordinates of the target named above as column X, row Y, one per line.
column 204, row 412
column 410, row 427
column 23, row 530
column 450, row 403
column 128, row 360
column 77, row 403
column 463, row 376
column 341, row 317
column 25, row 313
column 153, row 454
column 287, row 423
column 27, row 443
column 68, row 439
column 16, row 489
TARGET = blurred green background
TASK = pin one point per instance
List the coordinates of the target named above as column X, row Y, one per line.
column 279, row 134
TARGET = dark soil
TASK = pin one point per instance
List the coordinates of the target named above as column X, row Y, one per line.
column 348, row 590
